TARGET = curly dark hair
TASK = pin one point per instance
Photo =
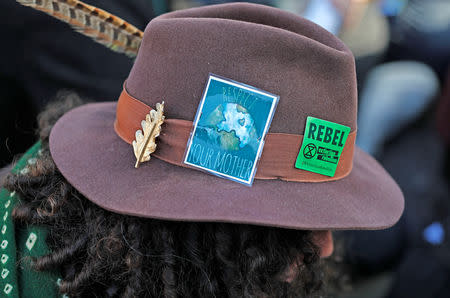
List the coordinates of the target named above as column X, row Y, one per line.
column 100, row 253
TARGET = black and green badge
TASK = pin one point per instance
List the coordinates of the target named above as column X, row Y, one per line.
column 322, row 146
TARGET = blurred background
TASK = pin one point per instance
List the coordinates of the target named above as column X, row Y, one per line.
column 402, row 52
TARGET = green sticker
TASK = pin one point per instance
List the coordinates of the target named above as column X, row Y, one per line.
column 322, row 146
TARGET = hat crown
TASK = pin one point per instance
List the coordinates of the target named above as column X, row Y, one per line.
column 311, row 70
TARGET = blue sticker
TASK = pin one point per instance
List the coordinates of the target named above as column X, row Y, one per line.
column 229, row 129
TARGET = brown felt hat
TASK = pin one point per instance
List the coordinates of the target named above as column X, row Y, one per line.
column 312, row 71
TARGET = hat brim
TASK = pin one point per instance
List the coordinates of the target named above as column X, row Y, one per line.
column 100, row 165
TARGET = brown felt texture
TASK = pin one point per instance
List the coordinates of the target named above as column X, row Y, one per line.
column 311, row 70
column 102, row 168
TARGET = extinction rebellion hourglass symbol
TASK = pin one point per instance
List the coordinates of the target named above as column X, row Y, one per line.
column 309, row 151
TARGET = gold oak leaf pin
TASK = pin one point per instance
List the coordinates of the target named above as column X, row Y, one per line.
column 144, row 145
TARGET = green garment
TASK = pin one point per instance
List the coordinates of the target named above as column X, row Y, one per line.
column 17, row 279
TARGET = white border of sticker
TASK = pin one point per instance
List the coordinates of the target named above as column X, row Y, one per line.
column 261, row 144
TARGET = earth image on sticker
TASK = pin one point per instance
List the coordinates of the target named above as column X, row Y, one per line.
column 309, row 151
column 231, row 127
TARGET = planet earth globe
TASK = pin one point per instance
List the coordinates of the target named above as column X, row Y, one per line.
column 231, row 127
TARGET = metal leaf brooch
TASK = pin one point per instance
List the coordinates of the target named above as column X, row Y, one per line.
column 145, row 144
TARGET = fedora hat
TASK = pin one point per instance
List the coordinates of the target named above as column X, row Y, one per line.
column 311, row 71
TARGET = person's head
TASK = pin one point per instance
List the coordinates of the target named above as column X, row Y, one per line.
column 164, row 228
column 103, row 253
